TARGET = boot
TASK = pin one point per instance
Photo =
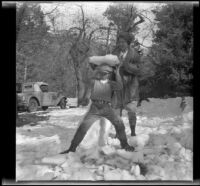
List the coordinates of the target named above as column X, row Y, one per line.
column 126, row 146
column 129, row 148
column 121, row 135
column 71, row 149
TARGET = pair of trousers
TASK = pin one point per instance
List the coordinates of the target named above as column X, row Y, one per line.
column 95, row 112
column 131, row 109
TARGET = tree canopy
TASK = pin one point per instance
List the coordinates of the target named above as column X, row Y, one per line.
column 59, row 57
column 172, row 50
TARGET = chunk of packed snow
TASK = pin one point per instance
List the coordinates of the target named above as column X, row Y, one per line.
column 174, row 148
column 127, row 176
column 115, row 174
column 118, row 162
column 22, row 139
column 133, row 156
column 113, row 141
column 34, row 172
column 58, row 159
column 188, row 117
column 139, row 140
column 82, row 174
column 108, row 150
column 135, row 169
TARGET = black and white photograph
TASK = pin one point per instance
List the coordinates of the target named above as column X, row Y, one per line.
column 104, row 91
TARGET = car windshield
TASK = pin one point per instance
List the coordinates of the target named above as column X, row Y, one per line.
column 44, row 88
column 18, row 87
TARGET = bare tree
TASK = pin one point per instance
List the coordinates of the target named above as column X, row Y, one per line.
column 81, row 37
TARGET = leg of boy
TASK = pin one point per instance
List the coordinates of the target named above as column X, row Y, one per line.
column 118, row 113
column 109, row 113
column 84, row 126
column 131, row 108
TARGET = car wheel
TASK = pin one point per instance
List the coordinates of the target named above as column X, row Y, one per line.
column 62, row 103
column 33, row 105
column 44, row 108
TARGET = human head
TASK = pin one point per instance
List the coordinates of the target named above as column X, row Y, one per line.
column 124, row 40
column 104, row 72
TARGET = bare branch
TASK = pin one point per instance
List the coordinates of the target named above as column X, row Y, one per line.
column 74, row 28
column 99, row 28
column 83, row 23
column 51, row 11
column 144, row 45
column 145, row 17
column 138, row 22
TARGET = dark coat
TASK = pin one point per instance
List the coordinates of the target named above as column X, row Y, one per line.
column 127, row 73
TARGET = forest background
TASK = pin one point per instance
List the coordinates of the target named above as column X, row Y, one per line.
column 54, row 41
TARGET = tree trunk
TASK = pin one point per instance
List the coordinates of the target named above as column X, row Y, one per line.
column 107, row 40
column 25, row 71
column 80, row 88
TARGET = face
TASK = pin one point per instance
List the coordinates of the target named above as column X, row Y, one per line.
column 103, row 75
column 123, row 45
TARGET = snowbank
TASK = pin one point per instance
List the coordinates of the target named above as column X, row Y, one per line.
column 163, row 147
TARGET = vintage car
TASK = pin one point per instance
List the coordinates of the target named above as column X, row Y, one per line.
column 34, row 95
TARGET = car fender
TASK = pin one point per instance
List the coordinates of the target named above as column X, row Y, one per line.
column 34, row 97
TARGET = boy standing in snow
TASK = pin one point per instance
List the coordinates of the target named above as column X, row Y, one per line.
column 102, row 89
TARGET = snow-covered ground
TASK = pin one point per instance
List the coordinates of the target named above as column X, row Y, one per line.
column 163, row 146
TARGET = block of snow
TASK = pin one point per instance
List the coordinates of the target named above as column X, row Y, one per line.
column 77, row 165
column 133, row 156
column 108, row 59
column 89, row 155
column 63, row 176
column 127, row 176
column 153, row 177
column 58, row 170
column 157, row 140
column 23, row 140
column 113, row 141
column 135, row 169
column 188, row 117
column 174, row 148
column 170, row 140
column 98, row 177
column 118, row 162
column 46, row 176
column 65, row 164
column 139, row 140
column 186, row 138
column 140, row 177
column 188, row 155
column 34, row 172
column 82, row 174
column 155, row 171
column 57, row 159
column 115, row 174
column 108, row 150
